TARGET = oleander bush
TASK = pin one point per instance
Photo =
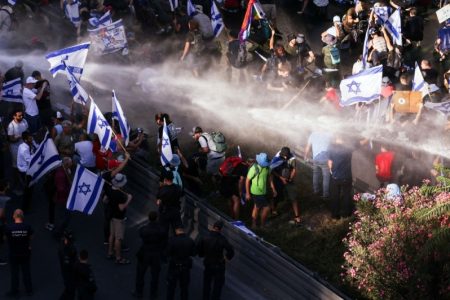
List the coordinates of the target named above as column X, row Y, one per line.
column 400, row 248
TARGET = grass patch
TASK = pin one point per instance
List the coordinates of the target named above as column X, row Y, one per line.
column 317, row 244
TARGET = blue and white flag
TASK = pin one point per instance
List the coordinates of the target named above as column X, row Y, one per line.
column 74, row 58
column 12, row 2
column 419, row 83
column 109, row 39
column 45, row 159
column 102, row 21
column 117, row 114
column 85, row 191
column 443, row 107
column 216, row 20
column 72, row 11
column 166, row 148
column 12, row 90
column 190, row 9
column 78, row 93
column 394, row 26
column 365, row 54
column 97, row 124
column 362, row 87
column 383, row 13
column 173, row 4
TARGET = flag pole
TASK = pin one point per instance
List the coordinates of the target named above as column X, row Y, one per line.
column 112, row 129
column 295, row 96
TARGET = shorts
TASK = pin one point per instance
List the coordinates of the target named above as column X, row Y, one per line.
column 291, row 192
column 260, row 201
column 229, row 187
column 213, row 164
column 117, row 228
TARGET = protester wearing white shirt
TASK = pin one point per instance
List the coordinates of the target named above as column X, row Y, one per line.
column 84, row 150
column 15, row 129
column 24, row 154
column 29, row 100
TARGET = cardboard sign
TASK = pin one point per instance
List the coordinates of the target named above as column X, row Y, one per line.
column 407, row 101
column 443, row 14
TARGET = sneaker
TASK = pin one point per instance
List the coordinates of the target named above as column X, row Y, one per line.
column 49, row 226
column 295, row 223
column 3, row 262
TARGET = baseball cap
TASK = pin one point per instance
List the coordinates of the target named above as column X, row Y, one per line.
column 336, row 19
column 66, row 123
column 175, row 161
column 119, row 180
column 195, row 130
column 31, row 79
column 386, row 79
column 300, row 38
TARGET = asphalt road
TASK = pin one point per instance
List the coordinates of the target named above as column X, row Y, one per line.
column 114, row 281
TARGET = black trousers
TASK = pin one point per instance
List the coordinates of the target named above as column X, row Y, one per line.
column 20, row 264
column 341, row 197
column 170, row 218
column 154, row 263
column 69, row 285
column 27, row 192
column 175, row 274
column 213, row 276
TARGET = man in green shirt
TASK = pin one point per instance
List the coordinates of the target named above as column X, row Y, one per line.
column 256, row 188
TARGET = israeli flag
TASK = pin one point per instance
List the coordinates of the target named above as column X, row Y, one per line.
column 362, row 87
column 45, row 159
column 117, row 114
column 190, row 9
column 173, row 4
column 12, row 90
column 12, row 2
column 443, row 107
column 74, row 58
column 72, row 11
column 382, row 12
column 104, row 20
column 98, row 124
column 419, row 83
column 166, row 148
column 394, row 26
column 216, row 20
column 85, row 191
column 78, row 93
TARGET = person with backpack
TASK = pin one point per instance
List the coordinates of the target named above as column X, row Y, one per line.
column 194, row 48
column 283, row 170
column 212, row 145
column 258, row 177
column 232, row 185
column 237, row 56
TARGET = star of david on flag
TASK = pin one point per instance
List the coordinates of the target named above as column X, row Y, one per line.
column 97, row 124
column 102, row 21
column 117, row 114
column 44, row 159
column 216, row 20
column 362, row 87
column 166, row 148
column 85, row 191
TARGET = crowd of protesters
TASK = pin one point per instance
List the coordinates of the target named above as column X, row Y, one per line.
column 289, row 64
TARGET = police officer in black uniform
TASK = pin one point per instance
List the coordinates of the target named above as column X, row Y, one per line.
column 67, row 258
column 154, row 241
column 168, row 200
column 180, row 250
column 215, row 249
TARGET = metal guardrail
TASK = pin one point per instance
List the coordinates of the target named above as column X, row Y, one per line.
column 259, row 265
